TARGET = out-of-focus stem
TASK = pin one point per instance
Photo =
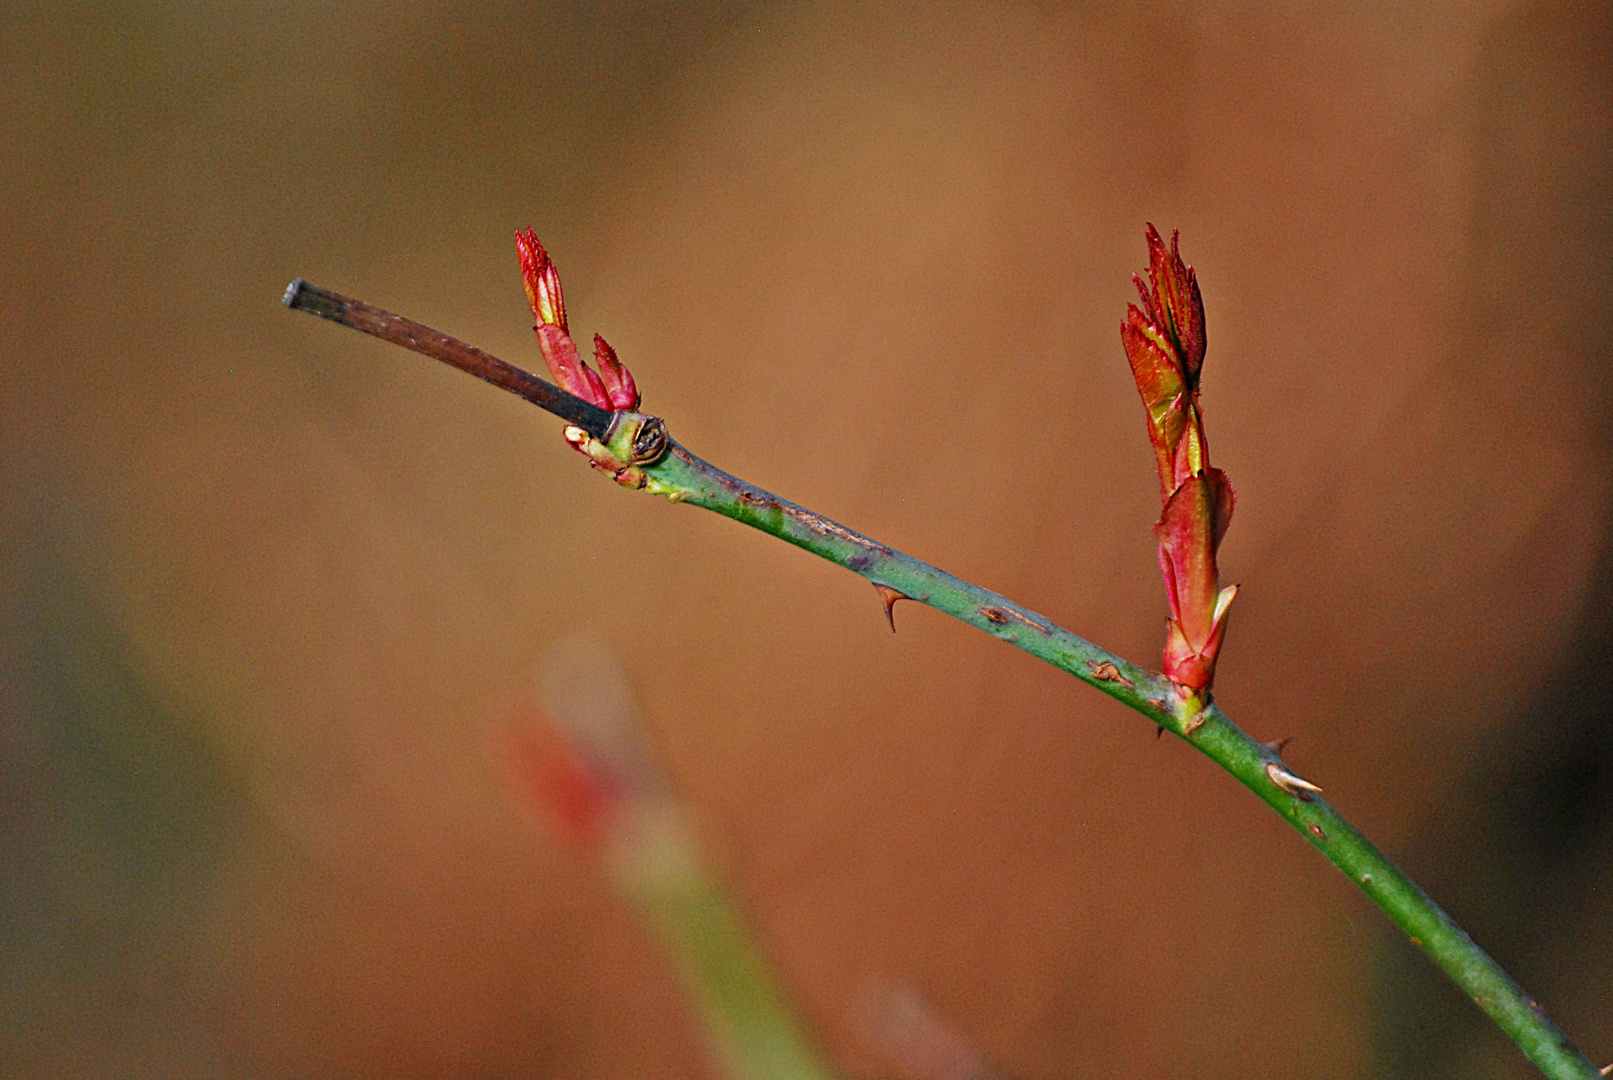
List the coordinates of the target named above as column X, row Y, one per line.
column 754, row 1030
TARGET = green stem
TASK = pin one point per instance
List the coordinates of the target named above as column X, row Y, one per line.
column 683, row 477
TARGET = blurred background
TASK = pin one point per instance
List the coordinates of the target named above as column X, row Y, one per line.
column 270, row 591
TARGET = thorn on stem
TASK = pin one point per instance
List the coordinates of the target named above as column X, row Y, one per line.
column 1296, row 786
column 1606, row 1070
column 1276, row 745
column 1159, row 733
column 890, row 596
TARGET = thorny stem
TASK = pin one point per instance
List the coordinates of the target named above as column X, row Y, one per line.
column 683, row 477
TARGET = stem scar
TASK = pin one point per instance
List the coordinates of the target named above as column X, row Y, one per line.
column 1107, row 672
column 1001, row 615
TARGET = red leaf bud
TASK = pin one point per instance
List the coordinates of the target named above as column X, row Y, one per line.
column 542, row 281
column 567, row 367
column 618, row 380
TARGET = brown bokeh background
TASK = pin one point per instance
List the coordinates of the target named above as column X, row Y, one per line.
column 267, row 588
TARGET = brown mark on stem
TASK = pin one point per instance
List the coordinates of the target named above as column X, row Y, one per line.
column 1316, row 831
column 1107, row 672
column 999, row 616
column 823, row 526
column 754, row 496
column 1197, row 722
column 1035, row 624
column 890, row 596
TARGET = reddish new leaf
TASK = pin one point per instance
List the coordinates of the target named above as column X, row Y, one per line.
column 1160, row 382
column 1186, row 558
column 1189, row 533
column 617, row 379
column 568, row 368
column 1176, row 305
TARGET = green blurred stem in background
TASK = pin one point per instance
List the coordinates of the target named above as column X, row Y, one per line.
column 636, row 448
column 755, row 1030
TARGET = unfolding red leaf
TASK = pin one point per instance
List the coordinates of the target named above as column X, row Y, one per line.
column 618, row 380
column 1186, row 558
column 1189, row 532
column 1185, row 664
column 1193, row 667
column 568, row 368
column 1192, row 452
column 1161, row 385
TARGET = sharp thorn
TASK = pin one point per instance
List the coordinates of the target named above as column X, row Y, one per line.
column 1159, row 733
column 1606, row 1070
column 1296, row 786
column 890, row 596
column 1276, row 745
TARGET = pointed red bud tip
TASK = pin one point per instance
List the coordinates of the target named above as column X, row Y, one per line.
column 1175, row 304
column 619, row 385
column 542, row 281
